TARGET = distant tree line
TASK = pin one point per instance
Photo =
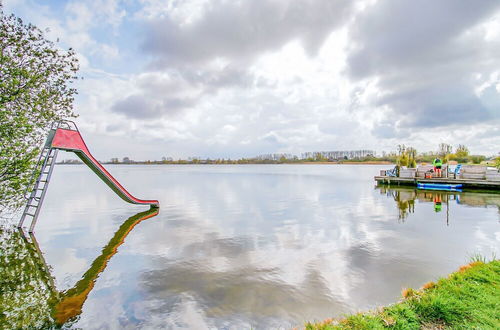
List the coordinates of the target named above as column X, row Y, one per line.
column 276, row 158
column 403, row 156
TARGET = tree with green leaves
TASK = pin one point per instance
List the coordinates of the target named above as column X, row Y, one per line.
column 35, row 90
column 407, row 156
column 444, row 150
column 462, row 151
column 477, row 159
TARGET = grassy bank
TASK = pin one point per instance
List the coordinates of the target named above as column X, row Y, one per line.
column 466, row 299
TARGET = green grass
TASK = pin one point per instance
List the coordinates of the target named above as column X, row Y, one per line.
column 467, row 299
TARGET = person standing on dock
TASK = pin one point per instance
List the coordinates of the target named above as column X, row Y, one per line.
column 437, row 166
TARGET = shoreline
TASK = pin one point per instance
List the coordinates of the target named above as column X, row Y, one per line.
column 296, row 163
column 467, row 298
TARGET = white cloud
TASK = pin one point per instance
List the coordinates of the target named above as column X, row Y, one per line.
column 232, row 79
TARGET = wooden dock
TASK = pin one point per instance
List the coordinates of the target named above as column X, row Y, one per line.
column 466, row 183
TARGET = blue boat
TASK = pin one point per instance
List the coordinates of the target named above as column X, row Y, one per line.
column 439, row 186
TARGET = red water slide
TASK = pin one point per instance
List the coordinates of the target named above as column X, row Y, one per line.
column 71, row 140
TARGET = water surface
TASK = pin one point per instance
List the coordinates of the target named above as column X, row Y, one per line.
column 235, row 246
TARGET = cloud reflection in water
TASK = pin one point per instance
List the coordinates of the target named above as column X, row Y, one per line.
column 266, row 246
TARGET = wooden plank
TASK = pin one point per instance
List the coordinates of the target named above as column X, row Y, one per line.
column 467, row 183
column 493, row 177
column 407, row 173
column 473, row 169
column 475, row 176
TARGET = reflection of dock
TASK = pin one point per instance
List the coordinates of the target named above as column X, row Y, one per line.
column 406, row 197
column 466, row 183
column 474, row 199
column 68, row 304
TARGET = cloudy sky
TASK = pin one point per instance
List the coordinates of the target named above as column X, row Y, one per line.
column 215, row 78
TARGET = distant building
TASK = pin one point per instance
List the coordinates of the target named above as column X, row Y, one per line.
column 336, row 155
column 71, row 161
column 276, row 157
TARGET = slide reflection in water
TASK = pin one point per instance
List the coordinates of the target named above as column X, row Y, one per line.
column 29, row 297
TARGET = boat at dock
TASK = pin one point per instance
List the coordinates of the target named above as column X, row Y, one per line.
column 439, row 186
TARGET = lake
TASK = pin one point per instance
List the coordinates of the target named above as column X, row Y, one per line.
column 234, row 246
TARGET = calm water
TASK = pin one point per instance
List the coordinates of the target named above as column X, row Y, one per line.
column 252, row 246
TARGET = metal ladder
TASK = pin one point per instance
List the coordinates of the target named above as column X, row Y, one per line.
column 35, row 199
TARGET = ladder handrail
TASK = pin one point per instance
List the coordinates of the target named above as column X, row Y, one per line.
column 30, row 182
column 44, row 191
column 63, row 123
column 66, row 124
column 51, row 156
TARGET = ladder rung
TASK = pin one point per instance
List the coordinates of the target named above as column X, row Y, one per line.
column 29, row 214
